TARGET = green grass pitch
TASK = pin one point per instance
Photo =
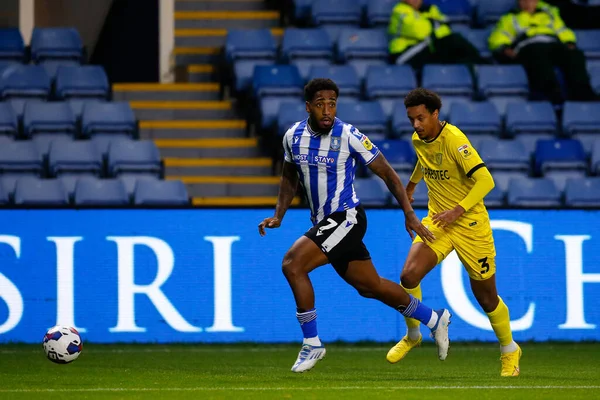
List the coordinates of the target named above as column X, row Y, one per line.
column 349, row 371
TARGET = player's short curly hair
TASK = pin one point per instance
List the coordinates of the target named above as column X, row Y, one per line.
column 423, row 96
column 318, row 84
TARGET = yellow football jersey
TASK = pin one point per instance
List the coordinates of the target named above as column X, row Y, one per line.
column 446, row 164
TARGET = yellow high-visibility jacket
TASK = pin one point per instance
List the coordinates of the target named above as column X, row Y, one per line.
column 409, row 27
column 519, row 28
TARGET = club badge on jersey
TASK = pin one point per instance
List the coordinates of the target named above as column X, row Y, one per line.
column 465, row 151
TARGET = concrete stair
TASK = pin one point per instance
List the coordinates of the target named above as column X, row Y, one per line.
column 202, row 136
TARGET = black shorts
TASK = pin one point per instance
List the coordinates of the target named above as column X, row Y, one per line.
column 340, row 236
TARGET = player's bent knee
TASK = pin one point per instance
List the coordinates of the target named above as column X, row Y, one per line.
column 289, row 266
column 409, row 278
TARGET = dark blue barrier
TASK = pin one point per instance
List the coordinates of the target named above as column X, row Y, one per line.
column 207, row 276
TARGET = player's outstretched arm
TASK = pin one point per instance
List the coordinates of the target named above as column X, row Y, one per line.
column 384, row 170
column 287, row 190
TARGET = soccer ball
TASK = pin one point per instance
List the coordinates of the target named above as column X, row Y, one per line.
column 62, row 344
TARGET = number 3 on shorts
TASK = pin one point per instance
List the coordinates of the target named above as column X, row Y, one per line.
column 485, row 266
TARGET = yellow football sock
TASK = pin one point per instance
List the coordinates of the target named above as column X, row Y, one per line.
column 500, row 320
column 416, row 292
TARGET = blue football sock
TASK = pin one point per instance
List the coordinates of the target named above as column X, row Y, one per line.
column 419, row 311
column 308, row 323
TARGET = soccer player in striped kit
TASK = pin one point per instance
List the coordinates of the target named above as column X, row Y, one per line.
column 322, row 152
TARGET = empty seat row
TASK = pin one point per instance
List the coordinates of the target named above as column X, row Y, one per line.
column 88, row 191
column 473, row 118
column 61, row 43
column 520, row 192
column 88, row 81
column 40, row 117
column 66, row 157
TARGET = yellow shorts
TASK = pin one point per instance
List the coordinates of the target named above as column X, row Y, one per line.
column 474, row 245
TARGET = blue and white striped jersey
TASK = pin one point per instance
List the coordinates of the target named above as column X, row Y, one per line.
column 326, row 164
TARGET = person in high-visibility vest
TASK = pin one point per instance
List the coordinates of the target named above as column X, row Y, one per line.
column 535, row 36
column 419, row 35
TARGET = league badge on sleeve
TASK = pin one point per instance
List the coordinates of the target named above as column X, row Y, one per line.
column 465, row 151
column 366, row 143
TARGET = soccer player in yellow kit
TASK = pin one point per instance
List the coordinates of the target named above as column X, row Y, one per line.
column 457, row 180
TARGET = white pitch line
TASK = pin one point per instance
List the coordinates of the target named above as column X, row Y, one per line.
column 266, row 389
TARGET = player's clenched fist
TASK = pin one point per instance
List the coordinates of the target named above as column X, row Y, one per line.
column 272, row 222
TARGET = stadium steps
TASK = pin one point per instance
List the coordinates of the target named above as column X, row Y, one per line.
column 193, row 129
column 208, row 148
column 203, row 37
column 166, row 91
column 202, row 138
column 219, row 5
column 225, row 19
column 182, row 110
column 237, row 186
column 200, row 73
column 256, row 166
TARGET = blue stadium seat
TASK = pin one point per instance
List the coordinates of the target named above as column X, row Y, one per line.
column 529, row 140
column 56, row 43
column 362, row 48
column 131, row 180
column 387, row 84
column 20, row 157
column 74, row 158
column 379, row 12
column 559, row 154
column 306, row 43
column 389, row 81
column 582, row 192
column 495, row 198
column 44, row 141
column 594, row 71
column 505, row 155
column 503, row 178
column 399, row 153
column 30, row 191
column 533, row 192
column 53, row 117
column 560, row 177
column 531, row 117
column 78, row 104
column 100, row 192
column 595, row 161
column 250, row 43
column 69, row 182
column 289, row 114
column 587, row 140
column 277, row 80
column 502, row 80
column 270, row 107
column 371, row 192
column 4, row 196
column 133, row 156
column 581, row 117
column 52, row 66
column 400, row 124
column 24, row 81
column 108, row 118
column 243, row 71
column 9, row 125
column 421, row 195
column 89, row 81
column 160, row 193
column 476, row 117
column 304, row 65
column 589, row 42
column 453, row 80
column 490, row 11
column 11, row 44
column 457, row 11
column 366, row 116
column 477, row 37
column 302, row 10
column 344, row 75
column 347, row 12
